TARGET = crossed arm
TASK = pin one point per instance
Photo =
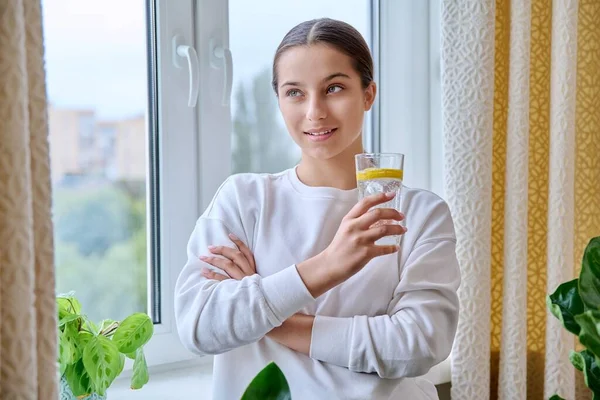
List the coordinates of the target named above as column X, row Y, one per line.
column 295, row 332
column 416, row 334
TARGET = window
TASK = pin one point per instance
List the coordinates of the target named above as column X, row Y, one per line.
column 122, row 140
column 97, row 112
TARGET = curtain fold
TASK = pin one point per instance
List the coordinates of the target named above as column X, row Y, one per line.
column 521, row 101
column 28, row 348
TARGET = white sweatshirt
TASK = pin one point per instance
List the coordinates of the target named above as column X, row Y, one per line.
column 372, row 334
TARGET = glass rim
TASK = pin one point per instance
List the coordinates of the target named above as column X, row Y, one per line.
column 372, row 155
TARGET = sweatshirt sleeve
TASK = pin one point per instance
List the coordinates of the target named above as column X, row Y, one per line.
column 212, row 316
column 418, row 330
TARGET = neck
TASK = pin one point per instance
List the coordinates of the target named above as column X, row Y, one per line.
column 338, row 172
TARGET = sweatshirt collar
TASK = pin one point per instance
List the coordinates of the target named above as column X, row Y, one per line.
column 320, row 191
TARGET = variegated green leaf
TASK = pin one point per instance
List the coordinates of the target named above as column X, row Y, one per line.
column 140, row 370
column 133, row 332
column 102, row 362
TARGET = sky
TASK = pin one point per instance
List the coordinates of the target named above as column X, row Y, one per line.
column 96, row 50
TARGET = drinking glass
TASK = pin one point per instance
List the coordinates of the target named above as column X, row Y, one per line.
column 381, row 173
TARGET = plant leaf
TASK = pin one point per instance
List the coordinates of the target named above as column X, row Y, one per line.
column 591, row 370
column 565, row 304
column 84, row 338
column 92, row 327
column 66, row 318
column 108, row 325
column 102, row 362
column 68, row 303
column 577, row 360
column 69, row 349
column 589, row 278
column 140, row 370
column 131, row 355
column 589, row 335
column 78, row 379
column 268, row 384
column 133, row 332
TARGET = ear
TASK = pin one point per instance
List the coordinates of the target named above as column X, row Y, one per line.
column 370, row 93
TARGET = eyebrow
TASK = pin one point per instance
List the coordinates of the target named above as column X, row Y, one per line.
column 327, row 79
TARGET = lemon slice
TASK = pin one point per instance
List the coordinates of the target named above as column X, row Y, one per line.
column 379, row 173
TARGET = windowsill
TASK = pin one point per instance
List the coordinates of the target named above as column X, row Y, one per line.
column 180, row 381
column 172, row 382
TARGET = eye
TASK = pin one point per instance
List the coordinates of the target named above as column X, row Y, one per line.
column 293, row 93
column 334, row 89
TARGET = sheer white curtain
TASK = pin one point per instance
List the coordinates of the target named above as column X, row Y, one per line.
column 521, row 126
column 27, row 307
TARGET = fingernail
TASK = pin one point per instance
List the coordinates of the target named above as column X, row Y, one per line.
column 203, row 257
column 212, row 247
column 389, row 195
column 204, row 271
column 233, row 237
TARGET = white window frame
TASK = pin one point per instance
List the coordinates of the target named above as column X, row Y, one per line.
column 410, row 89
column 193, row 145
column 195, row 141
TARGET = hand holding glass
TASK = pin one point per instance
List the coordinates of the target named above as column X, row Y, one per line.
column 381, row 173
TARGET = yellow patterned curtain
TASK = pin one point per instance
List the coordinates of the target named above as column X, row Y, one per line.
column 28, row 348
column 521, row 89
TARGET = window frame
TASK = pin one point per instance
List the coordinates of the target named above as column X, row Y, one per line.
column 410, row 89
column 183, row 157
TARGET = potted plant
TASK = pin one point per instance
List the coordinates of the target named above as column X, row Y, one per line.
column 577, row 305
column 92, row 355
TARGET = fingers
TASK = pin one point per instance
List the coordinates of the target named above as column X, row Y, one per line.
column 384, row 250
column 377, row 232
column 366, row 220
column 207, row 273
column 226, row 265
column 368, row 202
column 233, row 255
column 245, row 251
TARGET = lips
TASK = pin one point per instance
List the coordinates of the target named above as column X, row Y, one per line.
column 320, row 134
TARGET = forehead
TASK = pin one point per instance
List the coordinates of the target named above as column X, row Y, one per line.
column 313, row 63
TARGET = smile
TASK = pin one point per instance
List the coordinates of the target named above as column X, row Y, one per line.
column 321, row 135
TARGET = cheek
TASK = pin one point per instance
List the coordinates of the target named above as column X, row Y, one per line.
column 292, row 113
column 350, row 110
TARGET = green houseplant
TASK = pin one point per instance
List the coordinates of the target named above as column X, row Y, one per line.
column 92, row 355
column 577, row 305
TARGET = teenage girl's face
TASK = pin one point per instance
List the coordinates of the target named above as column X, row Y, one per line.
column 322, row 100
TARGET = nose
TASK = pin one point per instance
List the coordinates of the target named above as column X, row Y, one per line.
column 317, row 109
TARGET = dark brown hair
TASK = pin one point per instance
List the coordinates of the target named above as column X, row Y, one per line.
column 337, row 34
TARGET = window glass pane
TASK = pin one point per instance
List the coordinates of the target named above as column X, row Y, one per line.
column 97, row 92
column 260, row 142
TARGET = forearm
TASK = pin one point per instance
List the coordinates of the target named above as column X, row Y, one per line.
column 392, row 347
column 215, row 317
column 317, row 275
column 295, row 333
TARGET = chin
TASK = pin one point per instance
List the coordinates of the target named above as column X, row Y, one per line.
column 323, row 154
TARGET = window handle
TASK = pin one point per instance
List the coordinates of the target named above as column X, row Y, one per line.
column 188, row 52
column 221, row 57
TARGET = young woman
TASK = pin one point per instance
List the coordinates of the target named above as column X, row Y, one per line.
column 284, row 267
